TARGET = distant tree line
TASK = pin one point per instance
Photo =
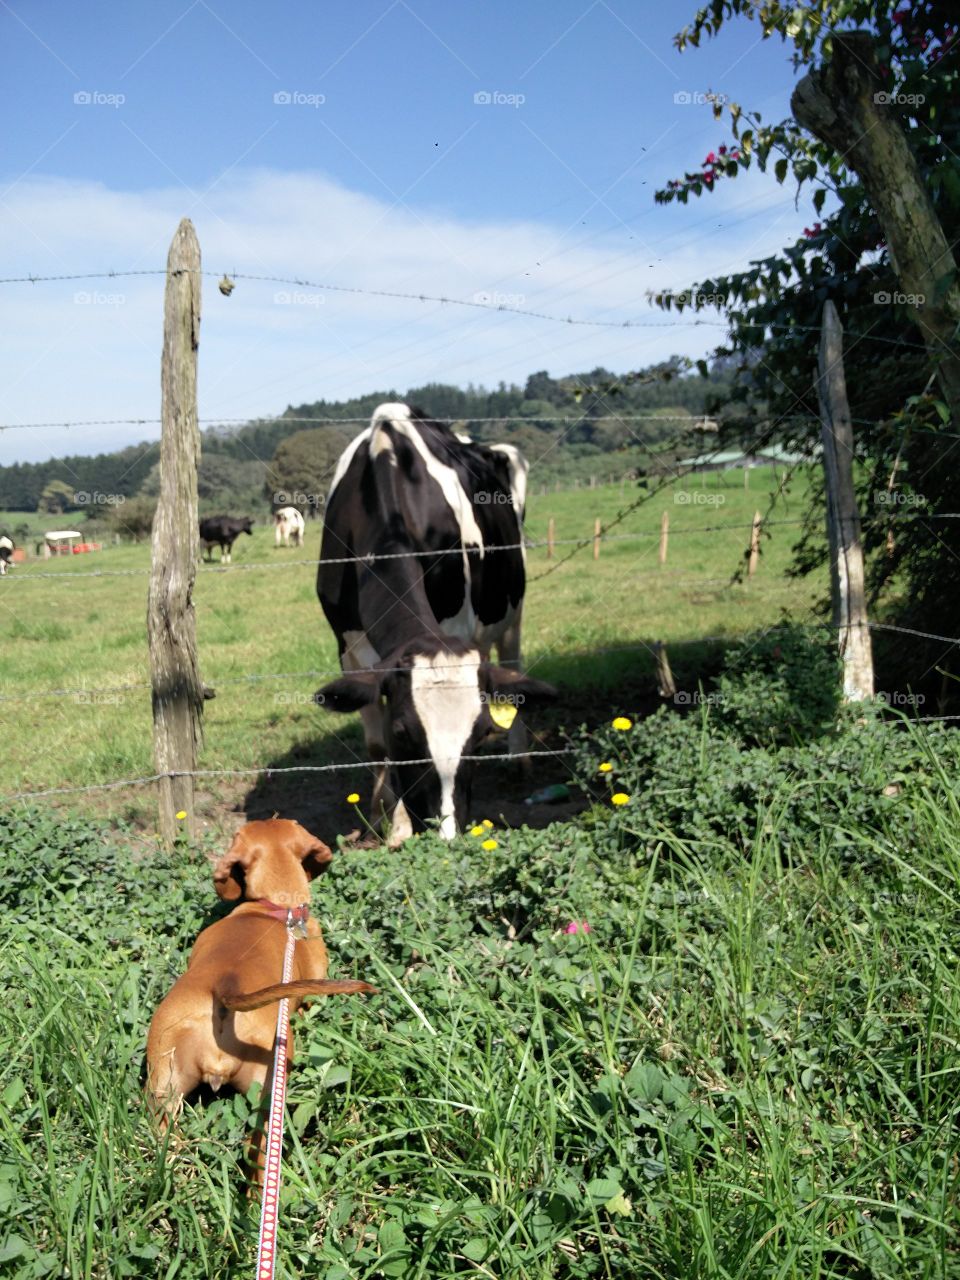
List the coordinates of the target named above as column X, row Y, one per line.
column 565, row 426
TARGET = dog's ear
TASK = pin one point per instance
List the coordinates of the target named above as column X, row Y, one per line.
column 228, row 877
column 313, row 853
column 317, row 859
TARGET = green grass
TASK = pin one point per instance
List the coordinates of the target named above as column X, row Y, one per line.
column 746, row 1069
column 88, row 634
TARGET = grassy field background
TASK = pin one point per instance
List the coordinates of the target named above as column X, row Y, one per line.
column 87, row 635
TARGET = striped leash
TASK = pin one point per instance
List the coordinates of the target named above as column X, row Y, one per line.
column 267, row 1244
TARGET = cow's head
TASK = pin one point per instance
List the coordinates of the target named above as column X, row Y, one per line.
column 247, row 525
column 436, row 700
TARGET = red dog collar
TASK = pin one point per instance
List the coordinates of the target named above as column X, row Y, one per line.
column 289, row 915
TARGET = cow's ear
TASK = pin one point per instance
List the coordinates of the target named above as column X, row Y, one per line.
column 351, row 692
column 514, row 686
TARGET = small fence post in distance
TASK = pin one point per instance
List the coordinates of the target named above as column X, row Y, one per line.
column 597, row 526
column 754, row 544
column 551, row 534
column 664, row 535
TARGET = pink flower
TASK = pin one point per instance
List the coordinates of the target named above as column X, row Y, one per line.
column 711, row 159
column 576, row 926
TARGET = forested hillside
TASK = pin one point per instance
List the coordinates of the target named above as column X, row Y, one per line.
column 568, row 427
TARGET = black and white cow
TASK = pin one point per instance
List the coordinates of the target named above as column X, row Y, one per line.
column 415, row 631
column 7, row 548
column 222, row 532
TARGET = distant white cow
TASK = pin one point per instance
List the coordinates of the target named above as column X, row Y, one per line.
column 290, row 527
column 7, row 549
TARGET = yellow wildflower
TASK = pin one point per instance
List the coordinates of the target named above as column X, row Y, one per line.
column 620, row 798
column 353, row 798
column 488, row 845
column 622, row 722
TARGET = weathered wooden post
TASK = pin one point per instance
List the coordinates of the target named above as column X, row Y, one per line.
column 843, row 518
column 597, row 526
column 754, row 544
column 171, row 624
column 665, row 682
column 664, row 535
column 551, row 534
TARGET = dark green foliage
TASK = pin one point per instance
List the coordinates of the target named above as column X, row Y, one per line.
column 781, row 685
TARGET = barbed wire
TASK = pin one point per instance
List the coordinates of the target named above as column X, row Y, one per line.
column 466, row 419
column 376, row 557
column 214, row 682
column 475, row 303
column 269, row 770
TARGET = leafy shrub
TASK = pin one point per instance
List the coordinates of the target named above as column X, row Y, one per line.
column 781, row 685
column 693, row 777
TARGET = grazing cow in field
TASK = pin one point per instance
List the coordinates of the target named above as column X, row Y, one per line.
column 415, row 631
column 222, row 532
column 289, row 527
column 7, row 548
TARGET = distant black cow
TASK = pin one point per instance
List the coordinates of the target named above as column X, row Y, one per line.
column 415, row 632
column 222, row 532
column 7, row 548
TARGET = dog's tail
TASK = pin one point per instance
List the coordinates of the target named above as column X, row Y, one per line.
column 248, row 1000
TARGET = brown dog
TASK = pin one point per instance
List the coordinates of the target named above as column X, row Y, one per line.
column 218, row 1022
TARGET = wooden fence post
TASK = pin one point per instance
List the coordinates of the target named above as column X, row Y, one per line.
column 754, row 544
column 597, row 526
column 171, row 624
column 664, row 535
column 843, row 518
column 665, row 682
column 551, row 533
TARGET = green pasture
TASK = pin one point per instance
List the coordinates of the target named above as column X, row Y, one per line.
column 86, row 636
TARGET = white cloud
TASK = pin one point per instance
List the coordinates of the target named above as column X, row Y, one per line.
column 91, row 348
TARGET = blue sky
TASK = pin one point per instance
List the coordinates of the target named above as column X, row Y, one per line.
column 471, row 151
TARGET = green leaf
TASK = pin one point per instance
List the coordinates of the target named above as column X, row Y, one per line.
column 476, row 1249
column 600, row 1190
column 780, row 168
column 335, row 1075
column 818, row 198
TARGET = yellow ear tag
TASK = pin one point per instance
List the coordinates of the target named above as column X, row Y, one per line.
column 503, row 714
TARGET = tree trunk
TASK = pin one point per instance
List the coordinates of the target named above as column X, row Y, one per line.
column 843, row 104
